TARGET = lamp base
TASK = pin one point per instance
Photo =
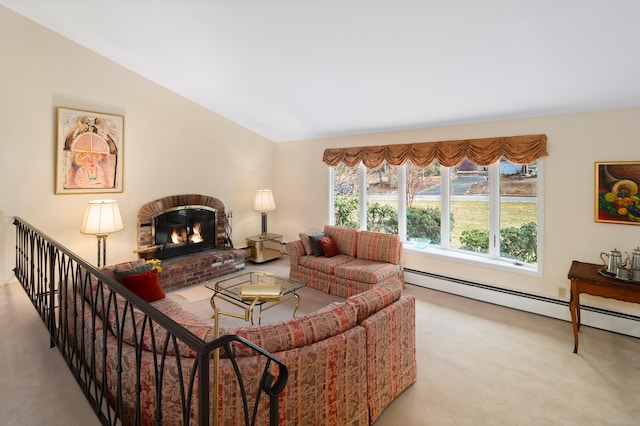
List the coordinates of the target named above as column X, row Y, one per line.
column 264, row 223
column 102, row 239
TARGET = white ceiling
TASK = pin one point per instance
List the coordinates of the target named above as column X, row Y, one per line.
column 299, row 69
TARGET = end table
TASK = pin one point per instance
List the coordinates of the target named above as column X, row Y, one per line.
column 264, row 247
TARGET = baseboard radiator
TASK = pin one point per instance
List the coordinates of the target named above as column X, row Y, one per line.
column 72, row 298
column 604, row 319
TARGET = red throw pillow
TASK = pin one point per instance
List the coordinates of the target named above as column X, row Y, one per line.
column 146, row 285
column 329, row 247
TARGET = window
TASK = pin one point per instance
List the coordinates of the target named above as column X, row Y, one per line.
column 346, row 188
column 424, row 205
column 382, row 199
column 487, row 213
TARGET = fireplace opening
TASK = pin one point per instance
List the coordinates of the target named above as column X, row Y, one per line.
column 182, row 230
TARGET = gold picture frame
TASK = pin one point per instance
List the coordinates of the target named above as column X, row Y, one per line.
column 616, row 192
column 89, row 154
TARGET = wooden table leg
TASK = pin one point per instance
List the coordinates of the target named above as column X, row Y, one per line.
column 574, row 308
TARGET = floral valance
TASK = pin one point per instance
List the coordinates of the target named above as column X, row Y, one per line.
column 482, row 152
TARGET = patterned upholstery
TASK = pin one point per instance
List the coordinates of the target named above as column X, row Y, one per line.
column 391, row 354
column 378, row 298
column 370, row 335
column 325, row 264
column 379, row 247
column 369, row 273
column 367, row 259
column 298, row 332
column 345, row 238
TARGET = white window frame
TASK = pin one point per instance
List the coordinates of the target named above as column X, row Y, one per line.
column 444, row 251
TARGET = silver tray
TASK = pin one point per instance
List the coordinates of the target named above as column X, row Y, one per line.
column 604, row 272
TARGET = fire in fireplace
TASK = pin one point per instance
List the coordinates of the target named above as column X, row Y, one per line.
column 183, row 230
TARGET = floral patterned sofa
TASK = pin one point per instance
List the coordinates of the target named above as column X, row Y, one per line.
column 360, row 260
column 346, row 362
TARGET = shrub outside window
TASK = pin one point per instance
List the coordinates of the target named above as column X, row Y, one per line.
column 487, row 212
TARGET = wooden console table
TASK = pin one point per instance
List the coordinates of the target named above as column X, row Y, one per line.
column 586, row 279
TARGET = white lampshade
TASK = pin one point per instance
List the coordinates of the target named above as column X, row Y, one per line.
column 264, row 201
column 102, row 217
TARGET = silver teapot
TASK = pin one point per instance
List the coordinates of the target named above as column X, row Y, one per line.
column 635, row 258
column 613, row 261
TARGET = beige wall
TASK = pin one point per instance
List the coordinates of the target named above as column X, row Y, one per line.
column 171, row 145
column 41, row 70
column 575, row 142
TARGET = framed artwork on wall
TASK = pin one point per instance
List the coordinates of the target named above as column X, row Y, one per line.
column 617, row 199
column 89, row 154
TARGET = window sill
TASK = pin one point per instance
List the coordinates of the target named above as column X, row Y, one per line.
column 470, row 259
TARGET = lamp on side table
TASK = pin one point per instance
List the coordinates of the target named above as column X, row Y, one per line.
column 101, row 218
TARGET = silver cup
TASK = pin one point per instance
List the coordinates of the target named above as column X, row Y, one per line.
column 635, row 275
column 622, row 273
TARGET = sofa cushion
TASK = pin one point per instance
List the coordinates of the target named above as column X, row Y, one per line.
column 324, row 264
column 331, row 320
column 314, row 240
column 304, row 237
column 146, row 285
column 329, row 247
column 366, row 271
column 379, row 247
column 119, row 274
column 345, row 238
column 371, row 301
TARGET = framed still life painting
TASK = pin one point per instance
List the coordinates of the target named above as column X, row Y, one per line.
column 617, row 199
column 89, row 155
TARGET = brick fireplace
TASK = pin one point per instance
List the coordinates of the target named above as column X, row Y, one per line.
column 190, row 268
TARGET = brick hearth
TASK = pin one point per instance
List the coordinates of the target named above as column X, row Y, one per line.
column 200, row 267
column 190, row 269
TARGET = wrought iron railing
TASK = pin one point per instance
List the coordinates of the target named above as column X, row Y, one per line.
column 163, row 368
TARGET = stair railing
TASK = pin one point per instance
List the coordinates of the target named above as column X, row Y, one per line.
column 88, row 314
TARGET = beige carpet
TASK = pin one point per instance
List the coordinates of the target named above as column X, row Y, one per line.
column 482, row 364
column 478, row 364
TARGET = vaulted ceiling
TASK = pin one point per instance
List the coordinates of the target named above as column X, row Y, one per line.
column 300, row 69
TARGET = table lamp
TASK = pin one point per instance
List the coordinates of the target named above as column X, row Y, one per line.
column 264, row 203
column 101, row 218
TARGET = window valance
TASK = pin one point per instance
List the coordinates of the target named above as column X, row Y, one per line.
column 482, row 152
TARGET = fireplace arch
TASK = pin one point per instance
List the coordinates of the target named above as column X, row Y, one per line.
column 149, row 211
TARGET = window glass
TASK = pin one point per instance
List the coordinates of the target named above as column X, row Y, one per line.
column 490, row 212
column 469, row 195
column 423, row 205
column 382, row 199
column 346, row 192
column 518, row 211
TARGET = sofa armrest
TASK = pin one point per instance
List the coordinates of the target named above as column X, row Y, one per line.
column 296, row 251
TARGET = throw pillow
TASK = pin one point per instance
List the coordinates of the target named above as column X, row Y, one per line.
column 118, row 274
column 316, row 250
column 146, row 285
column 329, row 246
column 304, row 237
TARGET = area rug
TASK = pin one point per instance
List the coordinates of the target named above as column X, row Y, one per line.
column 196, row 299
column 194, row 293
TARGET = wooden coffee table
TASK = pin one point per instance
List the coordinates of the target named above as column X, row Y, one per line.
column 237, row 291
